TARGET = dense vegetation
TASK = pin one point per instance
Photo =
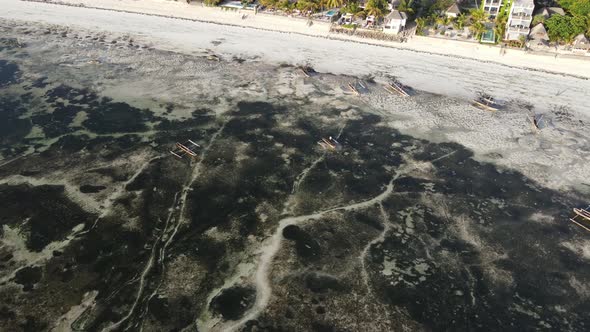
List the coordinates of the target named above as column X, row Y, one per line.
column 377, row 8
column 576, row 21
column 428, row 13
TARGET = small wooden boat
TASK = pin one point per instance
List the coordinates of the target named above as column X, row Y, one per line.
column 397, row 88
column 330, row 143
column 213, row 57
column 582, row 218
column 353, row 89
column 185, row 149
column 307, row 71
column 485, row 103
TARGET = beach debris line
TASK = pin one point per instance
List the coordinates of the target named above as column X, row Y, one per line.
column 486, row 103
column 582, row 218
column 187, row 149
column 330, row 143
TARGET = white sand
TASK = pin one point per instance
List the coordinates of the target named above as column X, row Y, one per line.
column 197, row 11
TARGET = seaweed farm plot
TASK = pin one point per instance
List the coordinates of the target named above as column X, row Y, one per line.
column 255, row 226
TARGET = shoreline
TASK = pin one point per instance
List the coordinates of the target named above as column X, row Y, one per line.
column 546, row 63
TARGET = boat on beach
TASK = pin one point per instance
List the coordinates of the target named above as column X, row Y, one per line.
column 330, row 143
column 397, row 88
column 485, row 103
column 582, row 218
column 307, row 71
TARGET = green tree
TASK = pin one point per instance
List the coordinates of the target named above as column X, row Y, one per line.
column 420, row 25
column 522, row 39
column 269, row 3
column 538, row 19
column 406, row 6
column 460, row 21
column 443, row 20
column 376, row 8
column 307, row 6
column 286, row 6
column 351, row 7
column 500, row 26
column 565, row 28
column 335, row 3
column 478, row 16
column 576, row 7
column 211, row 2
column 478, row 28
column 442, row 5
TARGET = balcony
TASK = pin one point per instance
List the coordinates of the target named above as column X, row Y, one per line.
column 524, row 21
column 521, row 15
column 518, row 29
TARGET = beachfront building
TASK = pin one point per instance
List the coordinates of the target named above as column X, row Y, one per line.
column 538, row 38
column 492, row 7
column 547, row 12
column 581, row 44
column 453, row 11
column 395, row 22
column 519, row 19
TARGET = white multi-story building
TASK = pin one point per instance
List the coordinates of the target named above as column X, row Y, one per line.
column 492, row 7
column 519, row 19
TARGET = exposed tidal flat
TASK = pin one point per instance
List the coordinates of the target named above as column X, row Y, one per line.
column 433, row 216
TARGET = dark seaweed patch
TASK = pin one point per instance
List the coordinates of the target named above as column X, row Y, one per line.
column 305, row 244
column 199, row 118
column 49, row 215
column 320, row 283
column 91, row 189
column 113, row 117
column 9, row 73
column 12, row 128
column 57, row 123
column 28, row 276
column 232, row 302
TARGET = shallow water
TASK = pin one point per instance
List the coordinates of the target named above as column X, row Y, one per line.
column 95, row 202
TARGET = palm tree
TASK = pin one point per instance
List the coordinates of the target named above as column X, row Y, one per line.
column 335, row 3
column 268, row 3
column 286, row 6
column 406, row 6
column 460, row 21
column 307, row 6
column 375, row 11
column 478, row 15
column 420, row 25
column 522, row 39
column 478, row 28
column 500, row 27
column 375, row 8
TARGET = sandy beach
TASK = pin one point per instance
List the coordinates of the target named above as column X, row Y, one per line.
column 579, row 66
